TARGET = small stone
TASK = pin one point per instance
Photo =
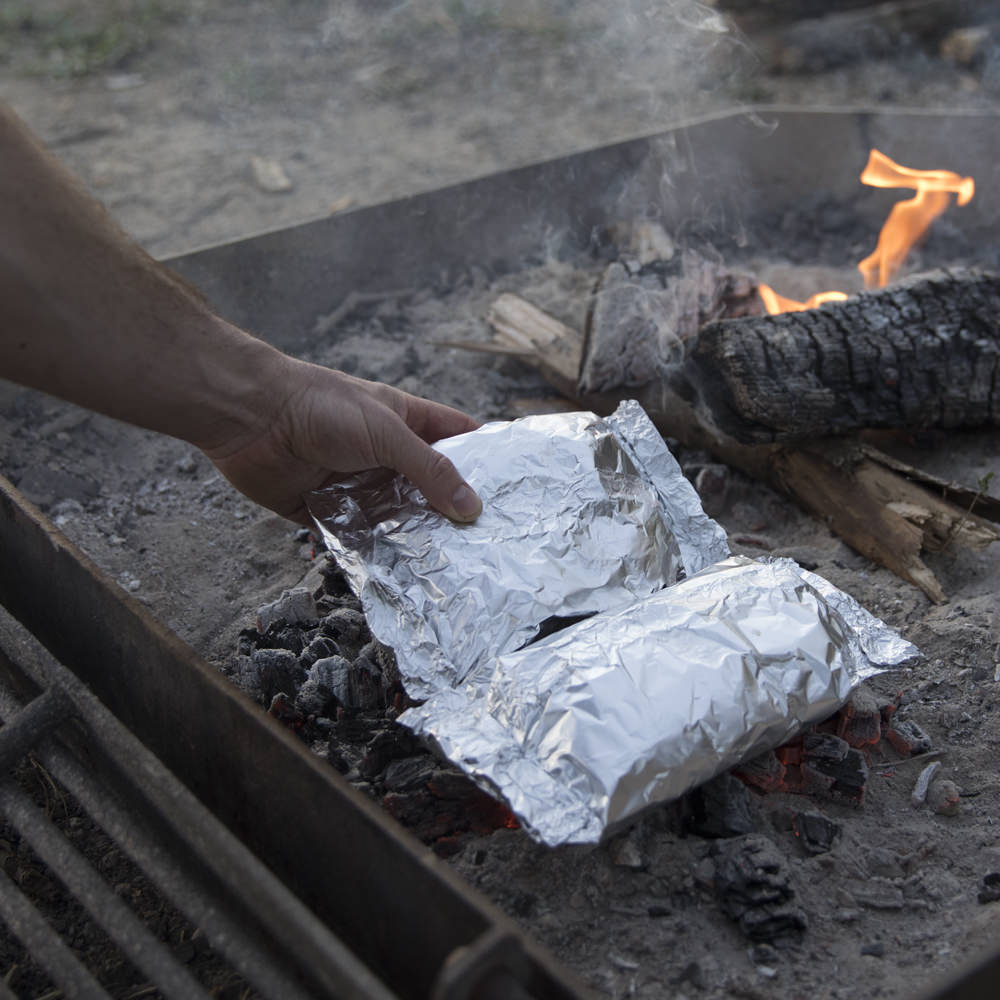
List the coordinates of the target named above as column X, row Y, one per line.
column 943, row 798
column 269, row 175
column 124, row 81
column 624, row 852
column 990, row 892
column 875, row 948
column 814, row 831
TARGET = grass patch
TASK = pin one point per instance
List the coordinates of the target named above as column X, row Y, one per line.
column 73, row 38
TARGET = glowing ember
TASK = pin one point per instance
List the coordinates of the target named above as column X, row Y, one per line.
column 907, row 223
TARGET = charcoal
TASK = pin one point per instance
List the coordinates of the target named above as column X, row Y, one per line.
column 408, row 773
column 370, row 686
column 314, row 698
column 246, row 676
column 319, row 648
column 720, row 808
column 278, row 670
column 861, row 719
column 818, row 747
column 284, row 711
column 764, row 772
column 815, row 832
column 247, row 641
column 753, row 886
column 334, row 673
column 345, row 625
column 386, row 746
column 908, row 739
column 449, row 805
column 829, row 760
column 283, row 636
column 293, row 607
column 874, row 948
column 351, row 730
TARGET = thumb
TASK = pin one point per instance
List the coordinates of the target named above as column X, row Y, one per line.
column 432, row 473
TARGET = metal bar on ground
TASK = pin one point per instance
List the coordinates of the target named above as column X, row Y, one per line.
column 45, row 946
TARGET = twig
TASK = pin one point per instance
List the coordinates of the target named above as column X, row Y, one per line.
column 890, row 764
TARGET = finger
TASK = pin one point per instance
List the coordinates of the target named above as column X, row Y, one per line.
column 434, row 421
column 431, row 472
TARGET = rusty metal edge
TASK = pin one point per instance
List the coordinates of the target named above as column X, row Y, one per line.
column 347, row 861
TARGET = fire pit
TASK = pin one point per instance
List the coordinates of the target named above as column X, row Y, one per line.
column 879, row 891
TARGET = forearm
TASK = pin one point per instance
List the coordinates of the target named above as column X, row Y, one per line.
column 90, row 317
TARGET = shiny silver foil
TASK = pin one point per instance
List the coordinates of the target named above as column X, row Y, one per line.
column 580, row 515
column 583, row 730
column 690, row 663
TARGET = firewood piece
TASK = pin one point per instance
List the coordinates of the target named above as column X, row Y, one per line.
column 924, row 352
column 879, row 512
column 523, row 330
column 642, row 318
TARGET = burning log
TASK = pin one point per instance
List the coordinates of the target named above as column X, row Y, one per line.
column 885, row 509
column 921, row 353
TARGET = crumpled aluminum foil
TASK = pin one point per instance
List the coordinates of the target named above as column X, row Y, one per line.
column 671, row 680
column 583, row 730
column 579, row 515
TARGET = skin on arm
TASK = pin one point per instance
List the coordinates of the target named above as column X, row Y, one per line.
column 88, row 316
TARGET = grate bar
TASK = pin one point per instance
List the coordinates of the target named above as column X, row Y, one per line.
column 45, row 945
column 225, row 934
column 136, row 942
column 24, row 727
column 247, row 915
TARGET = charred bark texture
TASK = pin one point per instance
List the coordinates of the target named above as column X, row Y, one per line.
column 922, row 353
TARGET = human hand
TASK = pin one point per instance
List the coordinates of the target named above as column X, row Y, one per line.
column 320, row 424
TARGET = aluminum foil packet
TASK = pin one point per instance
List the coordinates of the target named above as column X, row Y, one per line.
column 587, row 728
column 686, row 663
column 580, row 515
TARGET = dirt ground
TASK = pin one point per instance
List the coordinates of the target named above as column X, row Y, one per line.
column 198, row 122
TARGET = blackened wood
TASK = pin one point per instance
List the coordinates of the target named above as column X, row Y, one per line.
column 922, row 353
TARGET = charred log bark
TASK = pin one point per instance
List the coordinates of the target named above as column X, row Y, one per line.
column 922, row 353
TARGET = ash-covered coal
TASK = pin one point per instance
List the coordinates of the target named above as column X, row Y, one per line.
column 311, row 661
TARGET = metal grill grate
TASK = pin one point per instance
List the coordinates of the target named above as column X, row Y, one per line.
column 251, row 920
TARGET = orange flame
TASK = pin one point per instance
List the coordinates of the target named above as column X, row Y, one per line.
column 775, row 303
column 907, row 223
column 909, row 220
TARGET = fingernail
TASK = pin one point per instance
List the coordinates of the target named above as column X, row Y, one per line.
column 466, row 504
